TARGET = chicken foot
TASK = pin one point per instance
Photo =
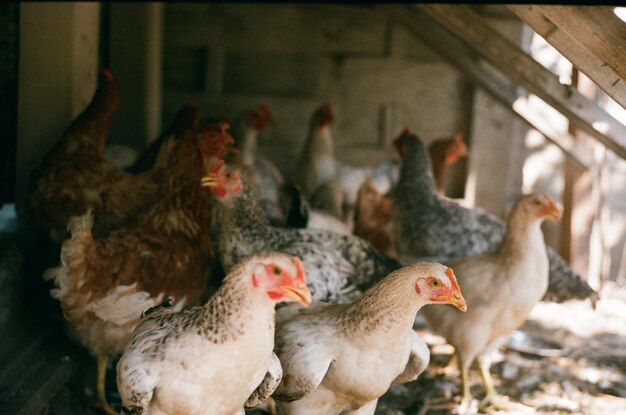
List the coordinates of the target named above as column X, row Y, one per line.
column 492, row 397
column 101, row 403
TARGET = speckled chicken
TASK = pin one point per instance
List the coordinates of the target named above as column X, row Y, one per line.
column 338, row 267
column 501, row 288
column 300, row 214
column 340, row 358
column 265, row 174
column 74, row 176
column 103, row 284
column 430, row 226
column 216, row 358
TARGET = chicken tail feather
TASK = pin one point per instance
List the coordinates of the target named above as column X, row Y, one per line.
column 69, row 276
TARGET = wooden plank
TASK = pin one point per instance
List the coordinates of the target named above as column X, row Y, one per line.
column 604, row 75
column 461, row 57
column 523, row 69
column 597, row 29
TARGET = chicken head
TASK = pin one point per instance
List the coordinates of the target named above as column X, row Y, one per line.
column 282, row 279
column 215, row 142
column 223, row 179
column 401, row 142
column 324, row 116
column 456, row 149
column 260, row 119
column 541, row 206
column 441, row 287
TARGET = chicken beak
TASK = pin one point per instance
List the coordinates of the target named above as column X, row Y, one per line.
column 300, row 295
column 458, row 301
column 552, row 209
column 208, row 181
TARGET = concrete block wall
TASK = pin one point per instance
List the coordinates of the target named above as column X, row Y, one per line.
column 231, row 57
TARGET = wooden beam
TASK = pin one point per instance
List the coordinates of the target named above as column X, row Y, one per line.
column 461, row 57
column 523, row 69
column 605, row 75
column 597, row 29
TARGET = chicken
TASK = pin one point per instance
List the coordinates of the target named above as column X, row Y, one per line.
column 187, row 118
column 373, row 214
column 74, row 176
column 104, row 284
column 501, row 288
column 215, row 358
column 443, row 152
column 319, row 166
column 372, row 218
column 340, row 358
column 301, row 215
column 265, row 174
column 338, row 266
column 430, row 226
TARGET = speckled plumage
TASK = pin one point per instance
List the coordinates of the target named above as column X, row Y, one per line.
column 210, row 359
column 430, row 226
column 265, row 175
column 339, row 358
column 338, row 267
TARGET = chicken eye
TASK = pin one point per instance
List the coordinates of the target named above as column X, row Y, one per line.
column 276, row 271
column 434, row 283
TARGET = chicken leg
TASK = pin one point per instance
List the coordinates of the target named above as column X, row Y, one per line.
column 492, row 398
column 466, row 399
column 101, row 402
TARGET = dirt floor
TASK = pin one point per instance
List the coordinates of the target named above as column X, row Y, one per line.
column 566, row 359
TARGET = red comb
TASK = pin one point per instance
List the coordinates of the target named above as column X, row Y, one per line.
column 406, row 131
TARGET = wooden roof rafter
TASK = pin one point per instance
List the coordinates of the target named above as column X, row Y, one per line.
column 457, row 53
column 593, row 38
column 479, row 39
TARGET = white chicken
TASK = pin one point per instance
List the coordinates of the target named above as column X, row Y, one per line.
column 339, row 359
column 215, row 358
column 265, row 174
column 501, row 288
column 318, row 165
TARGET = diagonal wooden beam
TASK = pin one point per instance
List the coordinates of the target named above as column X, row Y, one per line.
column 523, row 69
column 597, row 29
column 597, row 69
column 461, row 57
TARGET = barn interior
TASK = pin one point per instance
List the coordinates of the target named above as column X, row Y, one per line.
column 538, row 93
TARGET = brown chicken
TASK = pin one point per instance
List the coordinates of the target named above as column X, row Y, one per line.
column 444, row 152
column 372, row 218
column 105, row 284
column 74, row 176
column 187, row 118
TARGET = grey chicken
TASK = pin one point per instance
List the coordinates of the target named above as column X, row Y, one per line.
column 430, row 226
column 338, row 267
